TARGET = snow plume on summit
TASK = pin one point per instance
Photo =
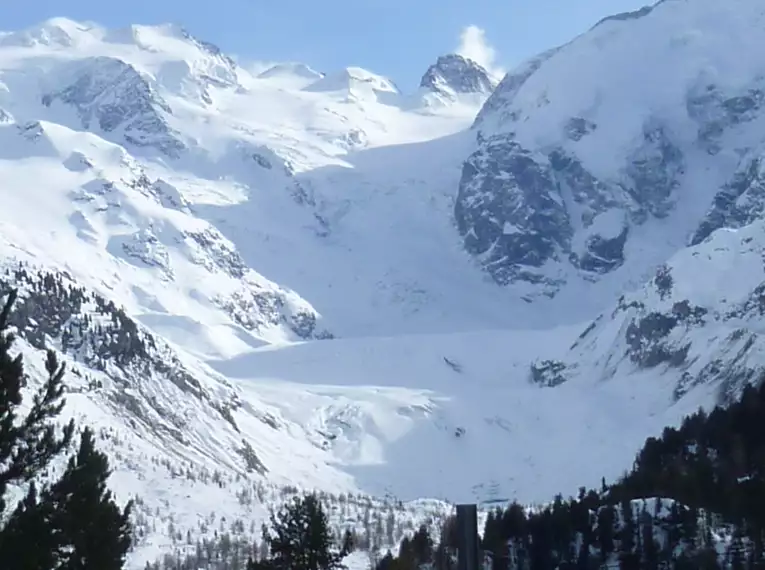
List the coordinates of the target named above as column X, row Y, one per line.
column 294, row 278
column 474, row 45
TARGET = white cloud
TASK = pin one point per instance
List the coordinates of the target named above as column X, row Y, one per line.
column 474, row 45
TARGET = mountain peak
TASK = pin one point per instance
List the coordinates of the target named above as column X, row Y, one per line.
column 455, row 74
column 357, row 83
column 61, row 32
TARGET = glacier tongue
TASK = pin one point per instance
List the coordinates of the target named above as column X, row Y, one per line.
column 296, row 279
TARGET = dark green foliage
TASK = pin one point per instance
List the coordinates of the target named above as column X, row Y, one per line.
column 98, row 533
column 101, row 334
column 222, row 552
column 706, row 477
column 72, row 524
column 52, row 308
column 27, row 445
column 299, row 538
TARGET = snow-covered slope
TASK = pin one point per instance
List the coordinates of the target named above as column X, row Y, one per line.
column 455, row 78
column 163, row 207
column 279, row 277
column 598, row 159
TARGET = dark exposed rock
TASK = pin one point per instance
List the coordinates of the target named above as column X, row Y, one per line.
column 144, row 247
column 112, row 95
column 548, row 373
column 53, row 312
column 514, row 211
column 738, row 203
column 647, row 336
column 262, row 161
column 518, row 210
column 251, row 459
column 457, row 74
column 654, row 170
column 592, row 195
column 499, row 106
column 254, row 308
column 602, row 254
column 577, row 128
column 632, row 15
column 715, row 111
column 663, row 281
column 217, row 253
column 645, row 341
column 754, row 306
column 507, row 211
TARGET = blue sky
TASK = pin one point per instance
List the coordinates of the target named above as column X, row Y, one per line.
column 397, row 38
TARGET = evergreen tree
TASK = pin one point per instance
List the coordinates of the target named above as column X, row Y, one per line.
column 628, row 557
column 97, row 533
column 606, row 520
column 300, row 539
column 386, row 562
column 28, row 444
column 30, row 521
column 407, row 558
column 74, row 523
column 422, row 546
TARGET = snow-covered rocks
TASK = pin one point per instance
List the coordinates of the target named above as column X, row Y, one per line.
column 355, row 83
column 112, row 96
column 294, row 75
column 236, row 222
column 605, row 140
column 453, row 75
column 692, row 321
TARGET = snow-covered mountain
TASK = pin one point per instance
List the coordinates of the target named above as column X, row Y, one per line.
column 601, row 157
column 294, row 278
column 453, row 78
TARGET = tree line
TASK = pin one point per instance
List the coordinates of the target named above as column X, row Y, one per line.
column 72, row 522
column 693, row 499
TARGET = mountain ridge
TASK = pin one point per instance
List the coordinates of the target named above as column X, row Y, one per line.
column 385, row 284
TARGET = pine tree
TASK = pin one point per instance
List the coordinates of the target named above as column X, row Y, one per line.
column 386, row 562
column 29, row 522
column 606, row 519
column 628, row 557
column 300, row 538
column 27, row 445
column 64, row 526
column 422, row 546
column 96, row 532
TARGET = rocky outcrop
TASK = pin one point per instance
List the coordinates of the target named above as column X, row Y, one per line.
column 255, row 307
column 738, row 203
column 654, row 169
column 144, row 249
column 508, row 211
column 54, row 312
column 518, row 210
column 548, row 373
column 111, row 95
column 453, row 74
column 690, row 322
column 715, row 110
column 615, row 150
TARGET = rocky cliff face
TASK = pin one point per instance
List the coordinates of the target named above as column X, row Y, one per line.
column 114, row 97
column 690, row 323
column 453, row 74
column 576, row 155
column 739, row 202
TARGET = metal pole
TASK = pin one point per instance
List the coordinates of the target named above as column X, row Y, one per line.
column 467, row 537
